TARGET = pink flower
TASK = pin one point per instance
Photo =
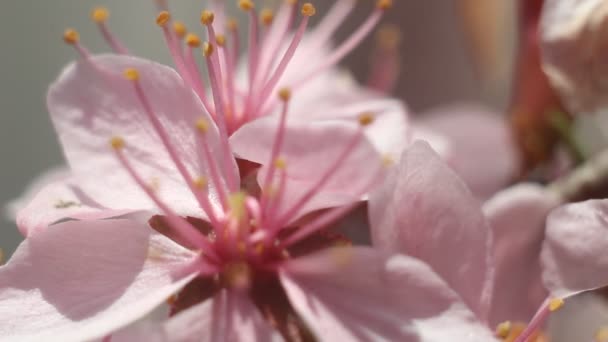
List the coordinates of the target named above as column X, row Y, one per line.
column 90, row 103
column 247, row 267
column 503, row 262
column 573, row 37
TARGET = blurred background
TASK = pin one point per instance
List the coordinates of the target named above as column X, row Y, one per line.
column 444, row 59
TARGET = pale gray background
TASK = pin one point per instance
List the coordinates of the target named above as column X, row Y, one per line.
column 436, row 67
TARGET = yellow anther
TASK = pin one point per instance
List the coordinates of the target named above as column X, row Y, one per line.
column 131, row 74
column 366, row 119
column 117, row 143
column 555, row 304
column 180, row 29
column 100, row 14
column 246, row 5
column 163, row 18
column 193, row 40
column 207, row 49
column 388, row 160
column 200, row 182
column 285, row 94
column 259, row 248
column 220, row 39
column 202, row 125
column 389, row 37
column 266, row 16
column 384, row 4
column 291, row 2
column 233, row 25
column 207, row 17
column 71, row 36
column 503, row 330
column 308, row 9
column 280, row 163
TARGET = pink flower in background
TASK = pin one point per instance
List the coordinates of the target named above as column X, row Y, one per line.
column 476, row 142
column 504, row 263
column 574, row 40
column 90, row 103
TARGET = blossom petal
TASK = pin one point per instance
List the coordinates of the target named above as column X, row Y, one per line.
column 573, row 256
column 92, row 102
column 49, row 176
column 228, row 316
column 360, row 294
column 309, row 149
column 58, row 201
column 426, row 211
column 517, row 217
column 389, row 132
column 486, row 167
column 83, row 280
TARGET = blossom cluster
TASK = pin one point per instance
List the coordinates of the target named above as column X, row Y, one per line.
column 209, row 204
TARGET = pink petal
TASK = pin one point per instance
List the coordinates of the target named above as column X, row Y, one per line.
column 573, row 43
column 228, row 316
column 517, row 217
column 57, row 201
column 360, row 294
column 482, row 149
column 82, row 280
column 438, row 142
column 47, row 177
column 574, row 257
column 426, row 211
column 389, row 133
column 309, row 149
column 91, row 104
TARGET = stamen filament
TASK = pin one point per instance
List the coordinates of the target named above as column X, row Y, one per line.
column 549, row 306
column 325, row 177
column 272, row 42
column 100, row 16
column 72, row 37
column 289, row 53
column 133, row 76
column 181, row 226
column 347, row 46
column 331, row 21
column 285, row 95
column 197, row 81
column 213, row 168
column 221, row 116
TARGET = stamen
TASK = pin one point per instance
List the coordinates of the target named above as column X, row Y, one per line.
column 100, row 15
column 385, row 66
column 352, row 42
column 284, row 95
column 247, row 5
column 202, row 125
column 273, row 39
column 266, row 17
column 162, row 20
column 180, row 29
column 72, row 37
column 182, row 227
column 133, row 76
column 601, row 335
column 325, row 177
column 331, row 215
column 540, row 317
column 503, row 329
column 221, row 113
column 308, row 10
column 1, row 256
column 330, row 23
column 193, row 42
column 366, row 119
